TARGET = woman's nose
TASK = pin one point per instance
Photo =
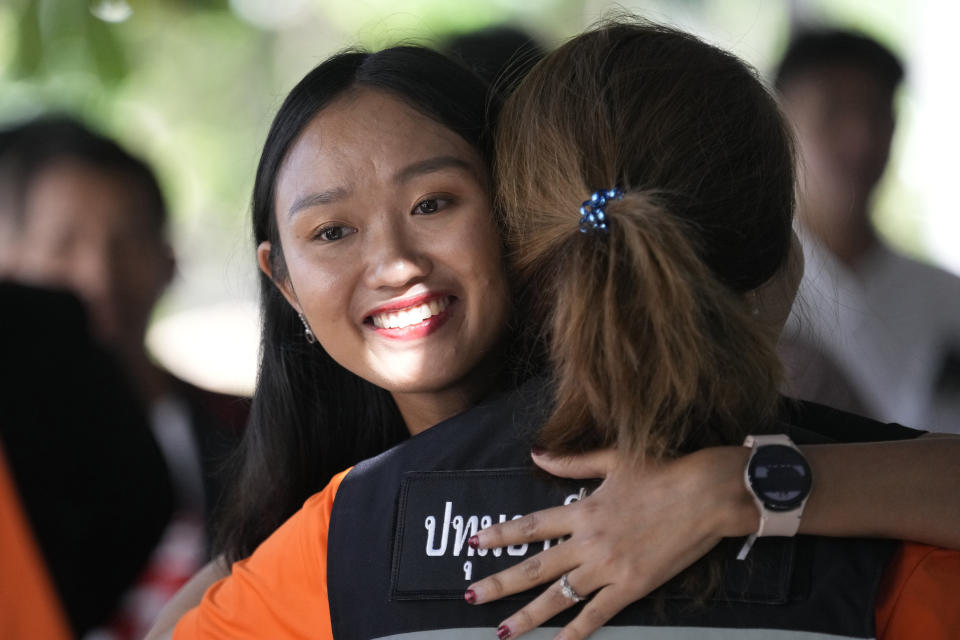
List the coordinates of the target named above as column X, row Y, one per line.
column 394, row 260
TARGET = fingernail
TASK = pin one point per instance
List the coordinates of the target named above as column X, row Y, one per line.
column 470, row 596
column 503, row 632
column 537, row 451
column 473, row 542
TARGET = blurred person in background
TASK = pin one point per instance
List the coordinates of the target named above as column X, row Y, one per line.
column 84, row 494
column 90, row 218
column 890, row 325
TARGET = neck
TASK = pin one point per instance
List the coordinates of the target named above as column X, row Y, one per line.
column 847, row 237
column 422, row 410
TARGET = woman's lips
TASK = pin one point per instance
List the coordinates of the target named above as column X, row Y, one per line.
column 414, row 321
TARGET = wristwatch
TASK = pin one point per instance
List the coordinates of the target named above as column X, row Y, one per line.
column 779, row 479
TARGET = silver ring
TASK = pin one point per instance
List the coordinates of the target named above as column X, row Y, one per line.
column 568, row 591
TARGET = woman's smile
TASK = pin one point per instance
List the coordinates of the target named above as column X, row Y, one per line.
column 412, row 318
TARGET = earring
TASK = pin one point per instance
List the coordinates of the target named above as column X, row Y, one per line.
column 307, row 333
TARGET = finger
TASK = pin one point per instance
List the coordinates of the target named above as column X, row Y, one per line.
column 605, row 604
column 546, row 524
column 543, row 567
column 542, row 608
column 595, row 464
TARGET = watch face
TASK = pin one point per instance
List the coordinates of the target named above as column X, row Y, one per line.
column 779, row 476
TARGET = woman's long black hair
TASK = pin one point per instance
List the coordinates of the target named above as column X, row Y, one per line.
column 311, row 417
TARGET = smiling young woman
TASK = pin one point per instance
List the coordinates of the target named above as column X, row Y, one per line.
column 387, row 309
column 372, row 191
column 391, row 253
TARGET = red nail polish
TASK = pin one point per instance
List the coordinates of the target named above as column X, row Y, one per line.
column 473, row 542
column 470, row 596
column 503, row 632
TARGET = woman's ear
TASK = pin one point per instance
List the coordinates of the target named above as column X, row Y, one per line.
column 266, row 266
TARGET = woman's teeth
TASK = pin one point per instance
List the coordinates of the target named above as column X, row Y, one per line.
column 410, row 316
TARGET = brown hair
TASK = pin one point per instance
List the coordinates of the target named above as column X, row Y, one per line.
column 649, row 328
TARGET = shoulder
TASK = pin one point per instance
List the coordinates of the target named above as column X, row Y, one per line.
column 304, row 534
column 319, row 505
column 278, row 592
column 918, row 595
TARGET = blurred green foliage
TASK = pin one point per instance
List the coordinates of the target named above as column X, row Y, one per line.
column 57, row 35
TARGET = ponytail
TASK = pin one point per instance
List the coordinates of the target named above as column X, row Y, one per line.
column 649, row 350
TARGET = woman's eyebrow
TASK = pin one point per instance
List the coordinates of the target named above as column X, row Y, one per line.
column 431, row 165
column 320, row 197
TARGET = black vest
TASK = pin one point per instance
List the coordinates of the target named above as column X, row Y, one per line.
column 398, row 562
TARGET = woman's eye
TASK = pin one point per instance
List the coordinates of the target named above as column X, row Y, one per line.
column 332, row 234
column 430, row 205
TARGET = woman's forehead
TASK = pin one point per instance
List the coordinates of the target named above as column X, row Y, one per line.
column 371, row 118
column 369, row 136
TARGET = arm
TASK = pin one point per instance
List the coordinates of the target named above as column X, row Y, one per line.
column 680, row 509
column 188, row 597
column 904, row 490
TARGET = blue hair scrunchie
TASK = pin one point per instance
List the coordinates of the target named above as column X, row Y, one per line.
column 592, row 214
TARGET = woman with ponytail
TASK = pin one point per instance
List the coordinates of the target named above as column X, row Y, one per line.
column 382, row 257
column 661, row 304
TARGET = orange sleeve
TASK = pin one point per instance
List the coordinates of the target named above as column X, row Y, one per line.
column 920, row 595
column 29, row 605
column 278, row 592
